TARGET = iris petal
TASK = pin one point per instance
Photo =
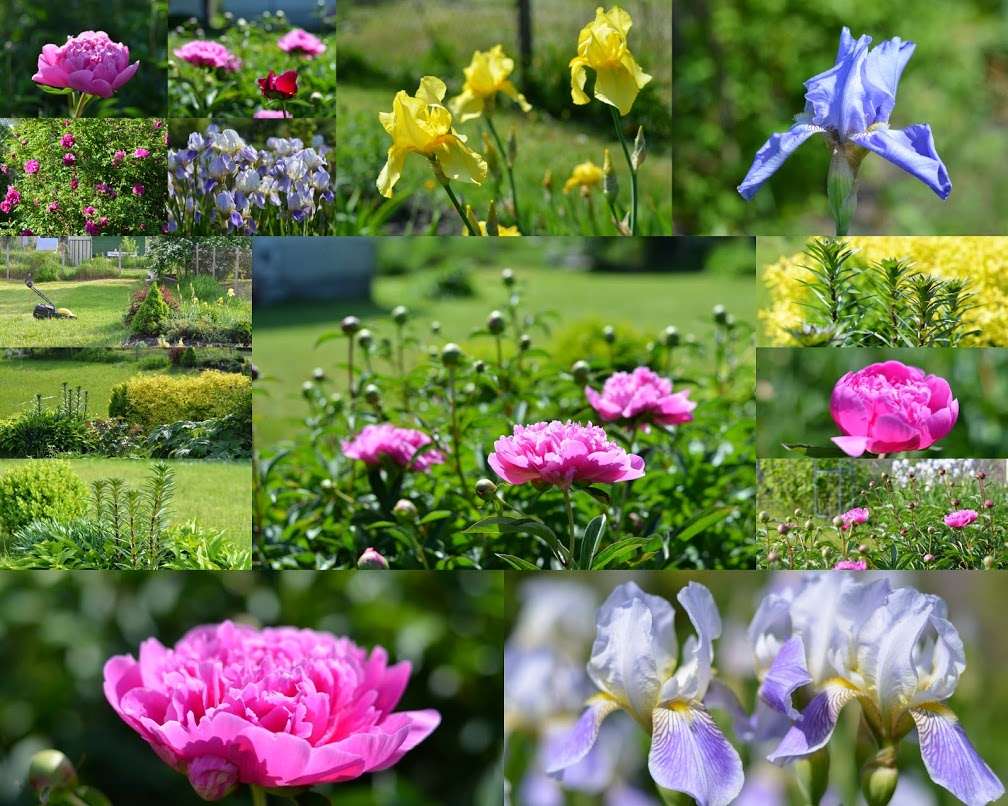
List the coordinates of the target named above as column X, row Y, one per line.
column 816, row 726
column 787, row 674
column 772, row 155
column 913, row 150
column 583, row 735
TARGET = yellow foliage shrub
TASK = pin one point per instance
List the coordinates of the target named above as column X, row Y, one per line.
column 982, row 261
column 151, row 400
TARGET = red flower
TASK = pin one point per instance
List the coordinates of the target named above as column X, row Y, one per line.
column 281, row 86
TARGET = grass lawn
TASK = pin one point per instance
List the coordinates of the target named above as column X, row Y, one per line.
column 98, row 304
column 543, row 143
column 217, row 495
column 285, row 334
column 22, row 379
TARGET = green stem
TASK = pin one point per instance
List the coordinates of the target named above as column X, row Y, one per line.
column 443, row 180
column 456, row 438
column 633, row 172
column 258, row 795
column 510, row 172
column 350, row 372
column 570, row 521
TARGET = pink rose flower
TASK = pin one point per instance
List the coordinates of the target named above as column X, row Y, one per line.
column 158, row 124
column 206, row 53
column 31, row 167
column 642, row 396
column 4, row 168
column 961, row 518
column 141, row 153
column 271, row 114
column 67, row 141
column 373, row 442
column 299, row 41
column 851, row 565
column 118, row 157
column 278, row 707
column 69, row 159
column 891, row 407
column 53, row 206
column 138, row 190
column 89, row 211
column 371, row 558
column 26, row 232
column 562, row 454
column 89, row 62
column 854, row 516
column 74, row 183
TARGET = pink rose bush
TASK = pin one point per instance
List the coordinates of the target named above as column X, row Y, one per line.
column 961, row 518
column 562, row 454
column 89, row 63
column 641, row 397
column 374, row 442
column 890, row 407
column 272, row 708
column 301, row 42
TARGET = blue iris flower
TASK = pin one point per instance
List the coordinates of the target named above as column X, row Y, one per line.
column 850, row 105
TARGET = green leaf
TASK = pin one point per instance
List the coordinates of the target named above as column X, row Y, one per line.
column 530, row 526
column 816, row 451
column 518, row 563
column 54, row 90
column 598, row 494
column 618, row 551
column 591, row 540
column 332, row 335
column 702, row 522
column 436, row 515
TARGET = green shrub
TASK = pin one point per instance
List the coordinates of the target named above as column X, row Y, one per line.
column 454, row 283
column 45, row 489
column 154, row 361
column 152, row 400
column 150, row 317
column 44, row 267
column 582, row 339
column 819, row 487
column 116, row 437
column 40, row 433
column 222, row 439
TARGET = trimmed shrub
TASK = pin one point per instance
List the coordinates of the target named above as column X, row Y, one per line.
column 153, row 313
column 153, row 400
column 46, row 489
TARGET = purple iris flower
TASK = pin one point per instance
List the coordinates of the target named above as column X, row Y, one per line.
column 850, row 105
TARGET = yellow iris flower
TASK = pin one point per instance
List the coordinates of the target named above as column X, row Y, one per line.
column 422, row 125
column 502, row 231
column 602, row 46
column 586, row 175
column 486, row 75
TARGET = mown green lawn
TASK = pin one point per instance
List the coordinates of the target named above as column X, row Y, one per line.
column 285, row 335
column 217, row 495
column 543, row 143
column 98, row 304
column 22, row 379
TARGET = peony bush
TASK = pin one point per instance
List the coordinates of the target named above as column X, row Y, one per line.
column 77, row 177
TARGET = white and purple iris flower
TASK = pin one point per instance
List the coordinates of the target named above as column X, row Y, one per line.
column 835, row 640
column 636, row 666
column 850, row 105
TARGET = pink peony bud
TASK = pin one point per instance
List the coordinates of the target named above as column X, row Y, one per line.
column 212, row 777
column 891, row 407
column 372, row 559
column 89, row 62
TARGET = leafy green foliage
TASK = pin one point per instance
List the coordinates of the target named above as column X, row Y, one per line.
column 150, row 400
column 222, row 438
column 150, row 317
column 42, row 432
column 47, row 488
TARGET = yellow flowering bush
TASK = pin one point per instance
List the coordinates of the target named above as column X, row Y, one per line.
column 981, row 261
column 150, row 400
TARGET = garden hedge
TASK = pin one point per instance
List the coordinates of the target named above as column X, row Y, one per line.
column 152, row 400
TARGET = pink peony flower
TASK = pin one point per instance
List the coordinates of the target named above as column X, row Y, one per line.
column 851, row 565
column 299, row 41
column 89, row 62
column 961, row 518
column 138, row 190
column 206, row 53
column 371, row 558
column 278, row 707
column 642, row 396
column 271, row 114
column 118, row 157
column 69, row 159
column 89, row 211
column 67, row 141
column 141, row 153
column 31, row 167
column 854, row 516
column 373, row 442
column 891, row 407
column 562, row 454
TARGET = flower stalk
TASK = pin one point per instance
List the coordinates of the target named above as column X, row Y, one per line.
column 630, row 164
column 442, row 179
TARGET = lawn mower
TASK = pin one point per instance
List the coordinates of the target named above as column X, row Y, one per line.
column 48, row 309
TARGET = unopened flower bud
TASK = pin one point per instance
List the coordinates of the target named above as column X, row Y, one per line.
column 547, row 181
column 956, row 502
column 485, row 489
column 763, row 516
column 512, row 147
column 400, row 313
column 808, row 526
column 451, row 355
column 491, row 156
column 525, row 342
column 581, row 372
column 405, row 510
column 372, row 559
column 372, row 394
column 327, row 485
column 988, row 504
column 981, row 475
column 670, row 336
column 365, row 338
column 472, row 219
column 862, row 549
column 878, row 783
column 988, row 562
column 350, row 325
column 639, row 149
column 720, row 314
column 318, row 374
column 929, row 558
column 495, row 322
column 783, row 529
column 838, row 521
column 772, row 557
column 507, row 277
column 51, row 770
column 479, row 366
column 841, row 188
column 610, row 182
column 435, row 327
column 307, row 388
column 492, row 225
column 609, row 334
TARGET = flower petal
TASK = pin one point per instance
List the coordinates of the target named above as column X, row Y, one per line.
column 787, row 674
column 772, row 155
column 883, row 69
column 816, row 726
column 852, row 446
column 911, row 149
column 950, row 758
column 690, row 754
column 582, row 736
column 693, row 675
column 391, row 171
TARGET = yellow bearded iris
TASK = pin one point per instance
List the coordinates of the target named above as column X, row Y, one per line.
column 602, row 46
column 421, row 125
column 486, row 75
column 502, row 231
column 586, row 175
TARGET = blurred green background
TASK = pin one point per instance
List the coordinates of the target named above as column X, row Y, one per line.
column 739, row 69
column 793, row 388
column 975, row 601
column 57, row 629
column 27, row 25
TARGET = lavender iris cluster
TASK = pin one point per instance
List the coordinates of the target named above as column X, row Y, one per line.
column 220, row 183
